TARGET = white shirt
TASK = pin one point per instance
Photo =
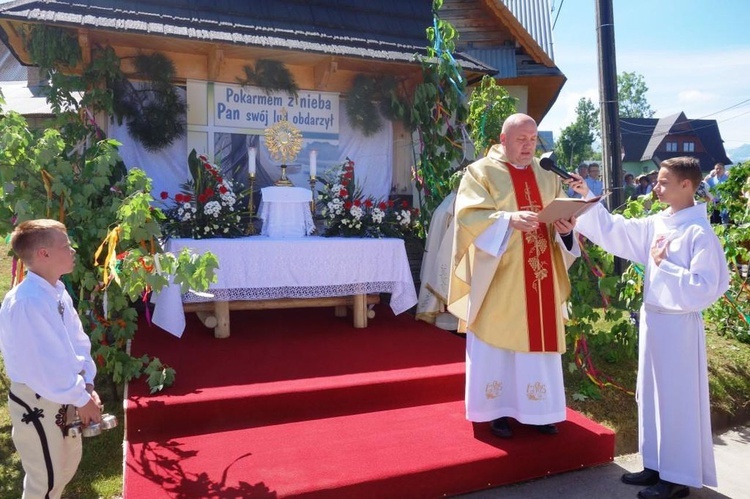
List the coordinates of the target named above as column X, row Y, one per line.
column 43, row 343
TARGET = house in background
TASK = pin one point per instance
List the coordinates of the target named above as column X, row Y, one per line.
column 649, row 141
column 325, row 45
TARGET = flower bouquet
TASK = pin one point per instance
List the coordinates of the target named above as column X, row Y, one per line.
column 208, row 205
column 347, row 213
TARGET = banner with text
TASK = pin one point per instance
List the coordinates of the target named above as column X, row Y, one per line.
column 315, row 114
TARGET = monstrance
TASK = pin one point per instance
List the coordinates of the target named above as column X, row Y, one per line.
column 284, row 142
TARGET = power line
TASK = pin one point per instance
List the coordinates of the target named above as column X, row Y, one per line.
column 691, row 119
column 554, row 23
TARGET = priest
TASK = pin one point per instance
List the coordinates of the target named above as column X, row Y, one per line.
column 509, row 284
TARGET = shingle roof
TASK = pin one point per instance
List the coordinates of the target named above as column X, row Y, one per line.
column 377, row 29
column 642, row 136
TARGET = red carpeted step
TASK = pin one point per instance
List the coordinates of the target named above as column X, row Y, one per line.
column 298, row 403
column 426, row 451
column 282, row 369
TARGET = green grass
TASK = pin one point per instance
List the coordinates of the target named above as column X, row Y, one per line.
column 100, row 472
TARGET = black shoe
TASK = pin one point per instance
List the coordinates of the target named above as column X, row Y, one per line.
column 500, row 428
column 645, row 477
column 546, row 429
column 664, row 490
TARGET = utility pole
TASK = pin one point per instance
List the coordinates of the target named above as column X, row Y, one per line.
column 609, row 109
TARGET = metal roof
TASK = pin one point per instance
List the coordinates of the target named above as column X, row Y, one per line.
column 376, row 29
column 23, row 100
column 10, row 68
column 534, row 17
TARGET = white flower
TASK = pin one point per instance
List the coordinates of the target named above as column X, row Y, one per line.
column 212, row 208
column 356, row 211
column 377, row 215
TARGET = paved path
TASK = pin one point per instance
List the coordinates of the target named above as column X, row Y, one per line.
column 732, row 450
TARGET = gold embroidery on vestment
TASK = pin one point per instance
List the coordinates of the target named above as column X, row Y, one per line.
column 536, row 391
column 537, row 244
column 493, row 389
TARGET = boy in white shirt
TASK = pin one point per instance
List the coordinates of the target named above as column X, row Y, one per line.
column 48, row 360
column 685, row 272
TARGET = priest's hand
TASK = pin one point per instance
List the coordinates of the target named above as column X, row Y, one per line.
column 524, row 221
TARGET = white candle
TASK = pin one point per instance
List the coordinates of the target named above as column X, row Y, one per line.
column 313, row 163
column 251, row 161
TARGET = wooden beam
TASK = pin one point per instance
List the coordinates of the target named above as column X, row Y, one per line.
column 83, row 41
column 322, row 73
column 215, row 61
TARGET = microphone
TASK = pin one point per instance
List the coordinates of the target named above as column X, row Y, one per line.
column 550, row 166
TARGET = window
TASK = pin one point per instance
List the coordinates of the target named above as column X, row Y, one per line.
column 671, row 146
column 688, row 147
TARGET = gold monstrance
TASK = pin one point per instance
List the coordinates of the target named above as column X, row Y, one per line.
column 284, row 142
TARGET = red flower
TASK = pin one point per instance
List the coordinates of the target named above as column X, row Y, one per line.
column 343, row 193
column 164, row 194
column 357, row 202
column 222, row 189
column 347, row 205
column 202, row 198
column 187, row 198
column 390, row 203
column 383, row 205
column 404, row 204
column 209, row 192
column 179, row 198
column 368, row 203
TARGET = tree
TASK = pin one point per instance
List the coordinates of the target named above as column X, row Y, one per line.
column 631, row 94
column 576, row 140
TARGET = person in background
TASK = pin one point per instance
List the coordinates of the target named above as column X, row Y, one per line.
column 628, row 186
column 685, row 272
column 509, row 285
column 594, row 180
column 47, row 359
column 643, row 187
column 715, row 177
column 583, row 171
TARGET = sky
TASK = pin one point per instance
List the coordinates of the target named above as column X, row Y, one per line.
column 694, row 56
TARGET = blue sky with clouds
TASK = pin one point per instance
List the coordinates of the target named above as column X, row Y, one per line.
column 693, row 54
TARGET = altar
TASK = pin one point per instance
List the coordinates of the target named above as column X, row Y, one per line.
column 264, row 272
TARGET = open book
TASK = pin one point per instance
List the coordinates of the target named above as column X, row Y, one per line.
column 566, row 208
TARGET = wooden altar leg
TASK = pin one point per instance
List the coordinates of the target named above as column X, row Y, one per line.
column 360, row 311
column 221, row 309
column 208, row 319
column 339, row 311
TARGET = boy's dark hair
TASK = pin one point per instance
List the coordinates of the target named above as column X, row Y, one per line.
column 32, row 235
column 684, row 167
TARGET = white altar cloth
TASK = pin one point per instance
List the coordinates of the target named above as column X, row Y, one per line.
column 285, row 212
column 261, row 268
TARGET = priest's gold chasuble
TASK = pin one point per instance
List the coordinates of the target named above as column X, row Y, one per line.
column 514, row 301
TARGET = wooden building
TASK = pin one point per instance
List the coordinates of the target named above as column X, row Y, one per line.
column 324, row 44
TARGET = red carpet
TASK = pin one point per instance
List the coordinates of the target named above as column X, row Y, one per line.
column 299, row 403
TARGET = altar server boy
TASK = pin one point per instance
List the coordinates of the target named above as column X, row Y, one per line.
column 685, row 272
column 48, row 360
